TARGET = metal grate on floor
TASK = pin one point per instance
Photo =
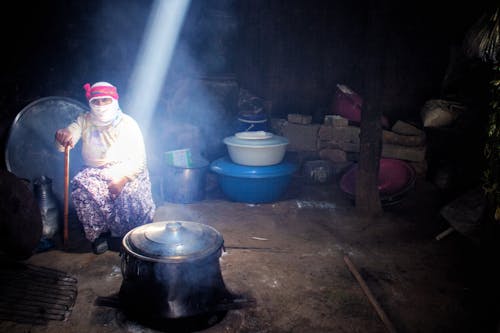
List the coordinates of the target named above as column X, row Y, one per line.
column 35, row 295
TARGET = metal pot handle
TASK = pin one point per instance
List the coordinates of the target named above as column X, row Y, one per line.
column 123, row 264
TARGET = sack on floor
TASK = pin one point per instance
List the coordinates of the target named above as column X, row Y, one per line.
column 439, row 113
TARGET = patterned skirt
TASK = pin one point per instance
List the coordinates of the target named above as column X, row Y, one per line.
column 99, row 213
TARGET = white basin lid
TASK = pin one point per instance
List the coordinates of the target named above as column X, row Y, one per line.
column 254, row 135
column 273, row 140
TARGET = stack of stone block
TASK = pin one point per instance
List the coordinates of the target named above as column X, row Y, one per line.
column 338, row 141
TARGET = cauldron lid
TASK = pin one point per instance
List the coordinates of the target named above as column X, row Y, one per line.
column 173, row 241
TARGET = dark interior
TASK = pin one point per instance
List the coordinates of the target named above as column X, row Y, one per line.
column 290, row 54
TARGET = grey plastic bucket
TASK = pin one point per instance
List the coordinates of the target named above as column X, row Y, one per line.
column 185, row 184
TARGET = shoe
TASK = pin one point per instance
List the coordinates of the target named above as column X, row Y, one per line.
column 115, row 244
column 45, row 244
column 100, row 245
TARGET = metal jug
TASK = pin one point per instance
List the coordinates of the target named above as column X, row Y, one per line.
column 47, row 202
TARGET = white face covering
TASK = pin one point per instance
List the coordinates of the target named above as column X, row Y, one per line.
column 103, row 115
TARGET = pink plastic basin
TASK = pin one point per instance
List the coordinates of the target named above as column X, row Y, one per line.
column 396, row 178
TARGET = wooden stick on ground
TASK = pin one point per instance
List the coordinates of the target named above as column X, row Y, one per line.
column 371, row 298
column 445, row 233
column 66, row 196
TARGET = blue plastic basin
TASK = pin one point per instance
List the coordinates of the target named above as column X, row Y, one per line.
column 252, row 184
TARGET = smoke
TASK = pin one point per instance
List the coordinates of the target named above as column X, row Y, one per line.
column 196, row 102
column 154, row 58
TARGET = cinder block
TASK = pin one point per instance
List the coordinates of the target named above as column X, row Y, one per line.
column 335, row 120
column 339, row 134
column 325, row 133
column 298, row 118
column 334, row 155
column 350, row 147
column 301, row 137
column 404, row 128
column 402, row 140
column 346, row 134
column 414, row 154
column 277, row 125
column 323, row 144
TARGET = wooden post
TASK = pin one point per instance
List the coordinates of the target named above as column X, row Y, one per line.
column 367, row 193
column 66, row 196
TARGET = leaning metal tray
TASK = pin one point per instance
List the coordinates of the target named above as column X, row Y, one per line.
column 31, row 152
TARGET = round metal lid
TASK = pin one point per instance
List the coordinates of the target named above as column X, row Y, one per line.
column 172, row 241
column 30, row 150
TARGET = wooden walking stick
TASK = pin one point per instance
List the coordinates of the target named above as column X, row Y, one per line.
column 66, row 195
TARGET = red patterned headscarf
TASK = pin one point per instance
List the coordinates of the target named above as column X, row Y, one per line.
column 100, row 89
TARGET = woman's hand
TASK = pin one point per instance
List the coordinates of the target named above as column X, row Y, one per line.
column 64, row 137
column 116, row 186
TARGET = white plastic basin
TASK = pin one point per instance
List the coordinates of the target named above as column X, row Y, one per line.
column 259, row 151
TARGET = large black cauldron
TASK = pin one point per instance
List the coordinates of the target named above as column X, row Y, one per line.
column 171, row 270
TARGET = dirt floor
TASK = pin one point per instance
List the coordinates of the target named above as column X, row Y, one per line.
column 289, row 256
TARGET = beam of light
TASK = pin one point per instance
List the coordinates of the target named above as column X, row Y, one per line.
column 154, row 58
